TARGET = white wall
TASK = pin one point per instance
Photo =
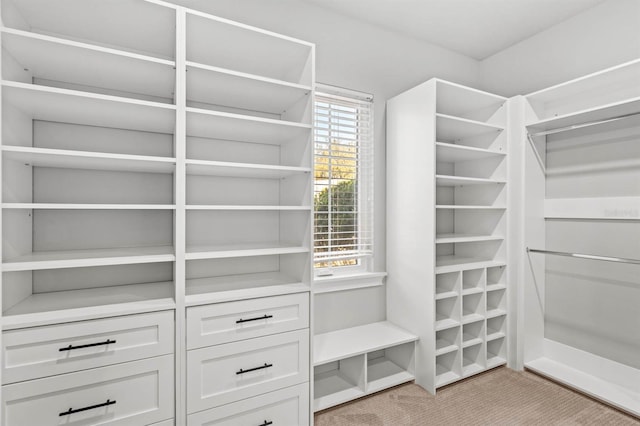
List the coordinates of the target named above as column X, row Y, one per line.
column 362, row 57
column 598, row 38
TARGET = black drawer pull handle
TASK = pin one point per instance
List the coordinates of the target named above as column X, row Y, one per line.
column 78, row 410
column 266, row 423
column 240, row 321
column 90, row 345
column 241, row 371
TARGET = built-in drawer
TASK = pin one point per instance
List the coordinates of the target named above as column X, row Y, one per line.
column 134, row 393
column 36, row 352
column 229, row 322
column 284, row 407
column 221, row 374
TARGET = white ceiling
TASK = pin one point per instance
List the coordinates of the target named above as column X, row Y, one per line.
column 475, row 28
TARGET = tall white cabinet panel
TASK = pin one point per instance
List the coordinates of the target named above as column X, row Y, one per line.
column 447, row 228
column 156, row 201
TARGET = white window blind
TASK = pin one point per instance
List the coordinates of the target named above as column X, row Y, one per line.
column 343, row 180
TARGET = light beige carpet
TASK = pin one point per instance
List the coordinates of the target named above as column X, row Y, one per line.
column 498, row 397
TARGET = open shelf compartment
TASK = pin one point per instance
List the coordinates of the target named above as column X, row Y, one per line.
column 448, row 368
column 390, row 367
column 447, row 285
column 473, row 359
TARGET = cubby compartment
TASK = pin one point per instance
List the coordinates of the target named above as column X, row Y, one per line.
column 496, row 352
column 473, row 308
column 471, row 172
column 496, row 302
column 447, row 313
column 469, row 255
column 447, row 285
column 473, row 281
column 496, row 327
column 339, row 381
column 466, row 193
column 473, row 359
column 470, row 133
column 65, row 294
column 496, row 278
column 464, row 102
column 448, row 368
column 472, row 333
column 231, row 278
column 447, row 340
column 390, row 367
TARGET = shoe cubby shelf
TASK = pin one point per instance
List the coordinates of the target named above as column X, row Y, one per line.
column 358, row 361
column 139, row 171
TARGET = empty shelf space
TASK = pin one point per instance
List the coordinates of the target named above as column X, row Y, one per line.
column 383, row 373
column 443, row 180
column 57, row 59
column 493, row 313
column 227, row 126
column 494, row 335
column 610, row 208
column 459, row 100
column 443, row 347
column 219, row 86
column 242, row 170
column 242, row 250
column 61, row 158
column 450, row 128
column 452, row 153
column 236, row 287
column 53, row 307
column 447, row 341
column 83, row 258
column 471, row 317
column 472, row 290
column 72, row 106
column 62, row 206
column 444, row 375
column 333, row 388
column 443, row 323
column 446, row 294
column 601, row 113
column 494, row 287
column 465, row 238
column 468, row 207
column 341, row 344
column 454, row 263
column 245, row 208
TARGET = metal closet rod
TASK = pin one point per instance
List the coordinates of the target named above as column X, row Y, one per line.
column 581, row 125
column 586, row 256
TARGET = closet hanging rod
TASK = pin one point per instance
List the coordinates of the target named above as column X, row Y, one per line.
column 581, row 125
column 586, row 256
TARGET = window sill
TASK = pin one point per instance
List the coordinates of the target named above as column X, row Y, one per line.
column 346, row 282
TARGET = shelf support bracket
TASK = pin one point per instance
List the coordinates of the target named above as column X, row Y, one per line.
column 537, row 154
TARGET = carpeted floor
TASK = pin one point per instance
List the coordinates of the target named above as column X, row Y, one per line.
column 498, row 397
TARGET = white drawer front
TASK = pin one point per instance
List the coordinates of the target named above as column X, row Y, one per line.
column 229, row 322
column 284, row 407
column 56, row 349
column 137, row 393
column 222, row 374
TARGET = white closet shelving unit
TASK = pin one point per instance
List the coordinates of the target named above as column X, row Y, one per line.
column 152, row 170
column 446, row 232
column 582, row 180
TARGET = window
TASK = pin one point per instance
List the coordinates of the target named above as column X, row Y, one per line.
column 343, row 181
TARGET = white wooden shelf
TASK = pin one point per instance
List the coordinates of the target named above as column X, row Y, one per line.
column 450, row 128
column 345, row 343
column 201, row 291
column 493, row 313
column 444, row 180
column 242, row 170
column 495, row 360
column 471, row 369
column 62, row 158
column 249, row 208
column 452, row 153
column 456, row 99
column 443, row 323
column 72, row 106
column 472, row 290
column 465, row 238
column 446, row 295
column 444, row 347
column 468, row 318
column 469, row 340
column 227, row 126
column 383, row 373
column 606, row 208
column 496, row 287
column 253, row 50
column 454, row 263
column 444, row 376
column 63, row 206
column 495, row 335
column 242, row 250
column 219, row 86
column 84, row 258
column 604, row 112
column 58, row 59
column 468, row 207
column 76, row 305
column 332, row 388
